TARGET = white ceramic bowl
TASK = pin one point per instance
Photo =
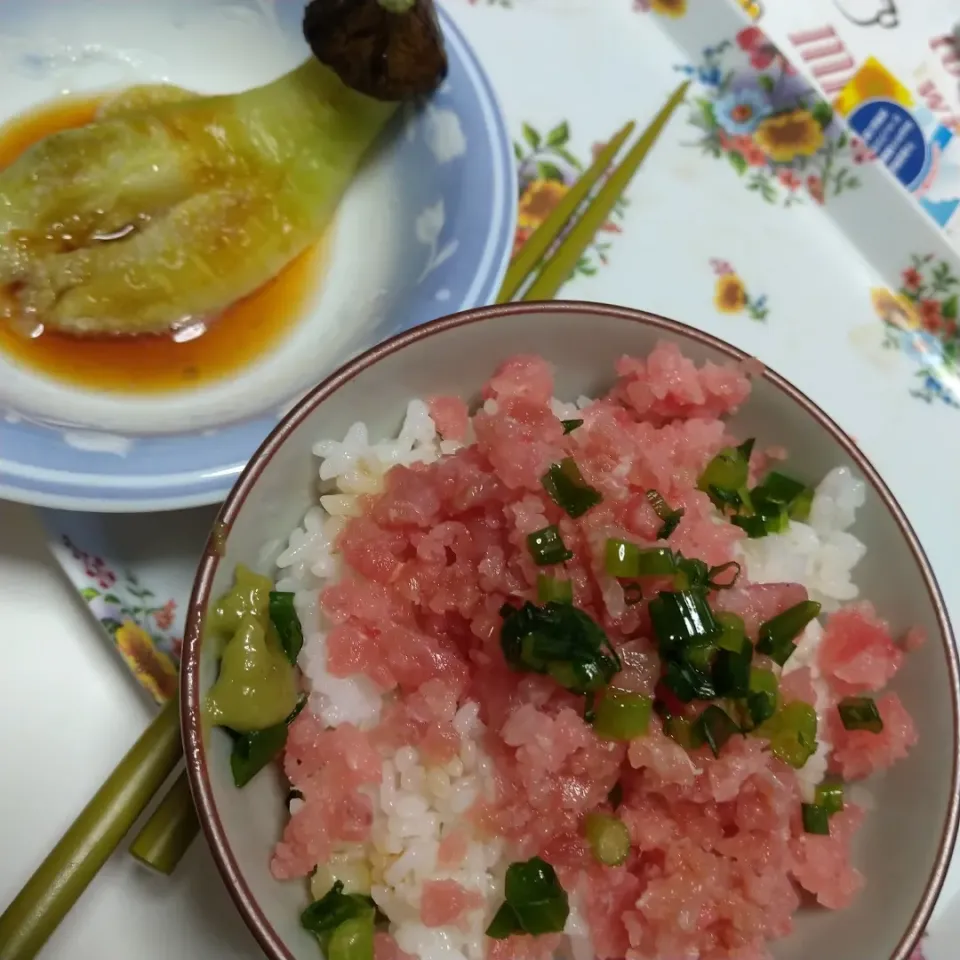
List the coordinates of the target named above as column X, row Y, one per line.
column 906, row 843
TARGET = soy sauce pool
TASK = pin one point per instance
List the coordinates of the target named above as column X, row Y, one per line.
column 196, row 355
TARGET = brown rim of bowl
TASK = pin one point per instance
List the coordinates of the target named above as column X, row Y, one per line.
column 190, row 714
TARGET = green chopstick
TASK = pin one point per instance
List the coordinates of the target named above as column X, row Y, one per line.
column 172, row 827
column 57, row 883
column 557, row 270
column 540, row 241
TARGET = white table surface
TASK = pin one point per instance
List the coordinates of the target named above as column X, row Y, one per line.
column 68, row 712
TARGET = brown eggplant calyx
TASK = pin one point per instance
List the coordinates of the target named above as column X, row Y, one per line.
column 386, row 49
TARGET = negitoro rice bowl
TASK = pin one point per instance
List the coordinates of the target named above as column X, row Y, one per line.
column 588, row 676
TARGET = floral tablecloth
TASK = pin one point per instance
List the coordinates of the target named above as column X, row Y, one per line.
column 758, row 218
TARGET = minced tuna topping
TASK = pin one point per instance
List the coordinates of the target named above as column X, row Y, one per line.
column 587, row 675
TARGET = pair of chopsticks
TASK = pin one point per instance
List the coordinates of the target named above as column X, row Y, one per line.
column 539, row 270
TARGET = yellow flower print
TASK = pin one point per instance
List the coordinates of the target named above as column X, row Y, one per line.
column 731, row 294
column 152, row 667
column 752, row 7
column 538, row 201
column 896, row 310
column 789, row 135
column 669, row 8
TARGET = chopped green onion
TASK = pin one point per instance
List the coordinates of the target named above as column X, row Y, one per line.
column 624, row 559
column 800, row 508
column 335, row 908
column 714, row 572
column 353, row 939
column 254, row 750
column 670, row 517
column 726, row 474
column 687, row 683
column 608, row 837
column 559, row 640
column 547, row 547
column 793, row 733
column 622, row 715
column 552, row 589
column 536, row 902
column 505, row 923
column 716, row 728
column 762, row 696
column 733, row 631
column 680, row 618
column 731, row 671
column 686, row 732
column 284, row 617
column 830, row 796
column 860, row 713
column 692, row 574
column 816, row 819
column 776, row 637
column 566, row 487
column 615, row 797
column 754, row 527
column 789, row 496
column 570, row 425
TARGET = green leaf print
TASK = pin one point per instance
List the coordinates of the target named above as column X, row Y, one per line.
column 738, row 162
column 949, row 307
column 822, row 113
column 549, row 171
column 559, row 135
column 89, row 593
column 531, row 136
column 707, row 114
column 111, row 598
column 517, row 150
column 110, row 625
column 765, row 83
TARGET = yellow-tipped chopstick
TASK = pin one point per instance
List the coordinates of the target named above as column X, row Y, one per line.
column 167, row 835
column 556, row 271
column 544, row 236
column 57, row 883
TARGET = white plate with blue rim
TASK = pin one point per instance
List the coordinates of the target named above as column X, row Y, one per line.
column 425, row 229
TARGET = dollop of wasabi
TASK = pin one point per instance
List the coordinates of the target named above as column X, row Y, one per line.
column 257, row 686
column 249, row 595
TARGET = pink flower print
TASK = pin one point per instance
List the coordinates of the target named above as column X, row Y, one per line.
column 164, row 616
column 860, row 152
column 721, row 268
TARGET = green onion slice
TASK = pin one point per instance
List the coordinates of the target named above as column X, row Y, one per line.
column 860, row 713
column 536, row 902
column 816, row 819
column 622, row 714
column 627, row 560
column 762, row 696
column 793, row 733
column 726, row 474
column 716, row 728
column 687, row 682
column 353, row 939
column 252, row 751
column 719, row 578
column 553, row 590
column 547, row 547
column 830, row 796
column 776, row 637
column 284, row 617
column 608, row 837
column 559, row 640
column 682, row 618
column 570, row 425
column 670, row 517
column 687, row 733
column 733, row 634
column 566, row 487
column 790, row 497
column 731, row 671
column 334, row 909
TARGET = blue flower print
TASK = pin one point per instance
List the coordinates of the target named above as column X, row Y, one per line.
column 739, row 111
